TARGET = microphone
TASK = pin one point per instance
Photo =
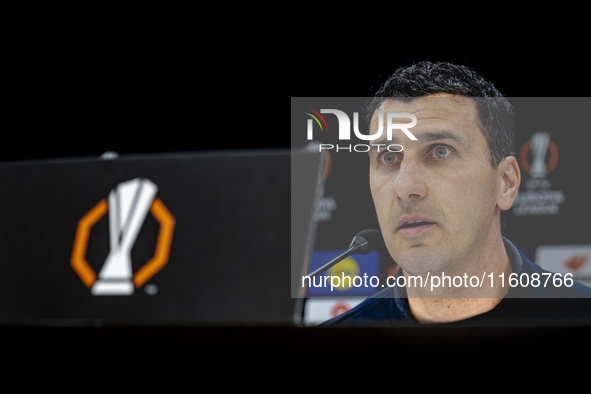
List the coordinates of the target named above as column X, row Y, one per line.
column 363, row 243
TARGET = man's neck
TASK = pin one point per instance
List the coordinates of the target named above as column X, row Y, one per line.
column 449, row 303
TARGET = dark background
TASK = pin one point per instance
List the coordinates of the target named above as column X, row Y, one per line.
column 142, row 96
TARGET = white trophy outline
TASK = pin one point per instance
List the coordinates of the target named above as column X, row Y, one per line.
column 539, row 145
column 129, row 203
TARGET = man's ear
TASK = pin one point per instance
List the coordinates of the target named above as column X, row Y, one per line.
column 510, row 181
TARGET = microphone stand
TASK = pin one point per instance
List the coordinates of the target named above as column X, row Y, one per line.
column 358, row 242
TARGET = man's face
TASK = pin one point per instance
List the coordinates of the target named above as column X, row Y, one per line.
column 444, row 179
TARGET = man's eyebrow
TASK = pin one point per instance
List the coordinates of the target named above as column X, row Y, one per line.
column 428, row 136
column 382, row 141
column 444, row 135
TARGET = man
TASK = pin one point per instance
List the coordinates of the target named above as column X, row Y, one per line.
column 439, row 203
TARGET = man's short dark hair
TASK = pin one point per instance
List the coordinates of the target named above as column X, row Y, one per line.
column 496, row 114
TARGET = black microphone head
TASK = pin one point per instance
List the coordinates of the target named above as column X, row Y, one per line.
column 370, row 239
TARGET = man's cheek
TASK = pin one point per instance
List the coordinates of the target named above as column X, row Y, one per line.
column 376, row 191
column 381, row 206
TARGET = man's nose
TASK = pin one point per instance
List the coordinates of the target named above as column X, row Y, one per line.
column 409, row 184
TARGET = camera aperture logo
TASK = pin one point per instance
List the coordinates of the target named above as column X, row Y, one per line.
column 345, row 129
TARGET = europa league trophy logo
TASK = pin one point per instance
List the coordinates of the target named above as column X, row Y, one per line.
column 538, row 198
column 129, row 204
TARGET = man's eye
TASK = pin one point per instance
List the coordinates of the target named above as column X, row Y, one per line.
column 389, row 158
column 441, row 152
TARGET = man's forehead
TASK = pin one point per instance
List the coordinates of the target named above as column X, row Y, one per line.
column 430, row 109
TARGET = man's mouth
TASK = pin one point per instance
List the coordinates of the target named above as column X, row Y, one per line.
column 414, row 223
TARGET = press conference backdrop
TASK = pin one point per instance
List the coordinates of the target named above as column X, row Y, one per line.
column 547, row 222
column 153, row 239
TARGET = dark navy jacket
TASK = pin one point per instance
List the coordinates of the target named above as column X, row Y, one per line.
column 390, row 306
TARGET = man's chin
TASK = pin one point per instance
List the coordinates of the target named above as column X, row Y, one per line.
column 421, row 259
